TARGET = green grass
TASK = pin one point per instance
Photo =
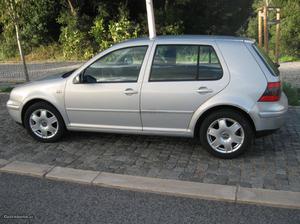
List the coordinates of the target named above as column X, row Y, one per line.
column 287, row 58
column 6, row 89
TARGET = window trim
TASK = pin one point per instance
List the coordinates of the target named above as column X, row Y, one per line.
column 198, row 63
column 105, row 82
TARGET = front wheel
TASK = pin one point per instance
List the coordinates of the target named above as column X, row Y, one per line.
column 44, row 122
column 226, row 134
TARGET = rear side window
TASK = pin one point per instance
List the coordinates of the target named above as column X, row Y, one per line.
column 185, row 63
column 266, row 60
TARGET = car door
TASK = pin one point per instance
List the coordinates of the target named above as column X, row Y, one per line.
column 179, row 79
column 107, row 93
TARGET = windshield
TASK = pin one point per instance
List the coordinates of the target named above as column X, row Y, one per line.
column 272, row 67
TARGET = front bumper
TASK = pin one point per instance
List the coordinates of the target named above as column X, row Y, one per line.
column 269, row 115
column 14, row 110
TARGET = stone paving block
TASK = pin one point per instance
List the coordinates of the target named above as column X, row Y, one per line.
column 269, row 197
column 26, row 168
column 172, row 187
column 74, row 175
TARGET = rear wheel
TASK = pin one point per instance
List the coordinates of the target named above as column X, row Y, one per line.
column 226, row 133
column 43, row 122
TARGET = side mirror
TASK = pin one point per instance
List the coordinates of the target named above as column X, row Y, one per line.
column 76, row 80
column 277, row 65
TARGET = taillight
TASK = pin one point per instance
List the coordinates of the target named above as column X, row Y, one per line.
column 272, row 93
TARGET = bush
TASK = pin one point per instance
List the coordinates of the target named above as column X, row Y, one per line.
column 8, row 43
column 49, row 52
column 75, row 42
column 292, row 94
column 107, row 32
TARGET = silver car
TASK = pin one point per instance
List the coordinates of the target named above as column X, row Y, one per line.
column 222, row 90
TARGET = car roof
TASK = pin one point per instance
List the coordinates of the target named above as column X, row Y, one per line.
column 188, row 37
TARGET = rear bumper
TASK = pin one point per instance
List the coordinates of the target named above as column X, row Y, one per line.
column 269, row 115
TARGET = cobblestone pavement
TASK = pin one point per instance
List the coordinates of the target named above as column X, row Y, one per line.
column 13, row 72
column 273, row 162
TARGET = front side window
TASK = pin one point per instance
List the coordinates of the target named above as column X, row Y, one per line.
column 122, row 65
column 185, row 63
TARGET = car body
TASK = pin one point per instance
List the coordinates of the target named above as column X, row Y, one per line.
column 163, row 86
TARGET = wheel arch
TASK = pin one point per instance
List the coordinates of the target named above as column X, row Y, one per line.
column 33, row 101
column 217, row 108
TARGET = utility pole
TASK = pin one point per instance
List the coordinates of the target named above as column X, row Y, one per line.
column 150, row 18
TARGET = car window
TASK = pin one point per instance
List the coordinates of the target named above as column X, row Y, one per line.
column 266, row 60
column 122, row 65
column 185, row 63
column 174, row 63
column 209, row 65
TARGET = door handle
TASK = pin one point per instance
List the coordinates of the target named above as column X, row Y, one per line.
column 204, row 90
column 130, row 91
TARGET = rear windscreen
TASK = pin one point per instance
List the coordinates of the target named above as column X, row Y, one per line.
column 272, row 67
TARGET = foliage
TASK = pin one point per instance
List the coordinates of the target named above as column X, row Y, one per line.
column 74, row 41
column 8, row 43
column 99, row 28
column 35, row 19
column 51, row 51
column 290, row 29
column 87, row 26
column 288, row 59
column 6, row 89
column 123, row 28
column 292, row 94
column 106, row 32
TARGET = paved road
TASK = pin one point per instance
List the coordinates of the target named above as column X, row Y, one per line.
column 60, row 202
column 273, row 162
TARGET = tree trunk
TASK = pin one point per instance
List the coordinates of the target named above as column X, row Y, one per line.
column 21, row 53
column 73, row 11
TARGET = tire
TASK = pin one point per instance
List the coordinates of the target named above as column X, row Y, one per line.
column 226, row 134
column 43, row 122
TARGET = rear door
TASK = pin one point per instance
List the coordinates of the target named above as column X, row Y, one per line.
column 179, row 78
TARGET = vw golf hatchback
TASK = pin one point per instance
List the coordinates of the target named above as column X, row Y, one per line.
column 222, row 90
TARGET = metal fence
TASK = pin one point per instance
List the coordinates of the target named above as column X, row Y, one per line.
column 13, row 72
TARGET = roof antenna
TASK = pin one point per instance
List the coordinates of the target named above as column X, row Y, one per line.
column 150, row 18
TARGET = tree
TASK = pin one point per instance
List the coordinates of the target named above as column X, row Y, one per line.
column 11, row 10
column 290, row 29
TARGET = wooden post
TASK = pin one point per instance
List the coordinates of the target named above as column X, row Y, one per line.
column 259, row 28
column 266, row 33
column 277, row 35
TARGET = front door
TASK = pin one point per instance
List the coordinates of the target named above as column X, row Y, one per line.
column 107, row 96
